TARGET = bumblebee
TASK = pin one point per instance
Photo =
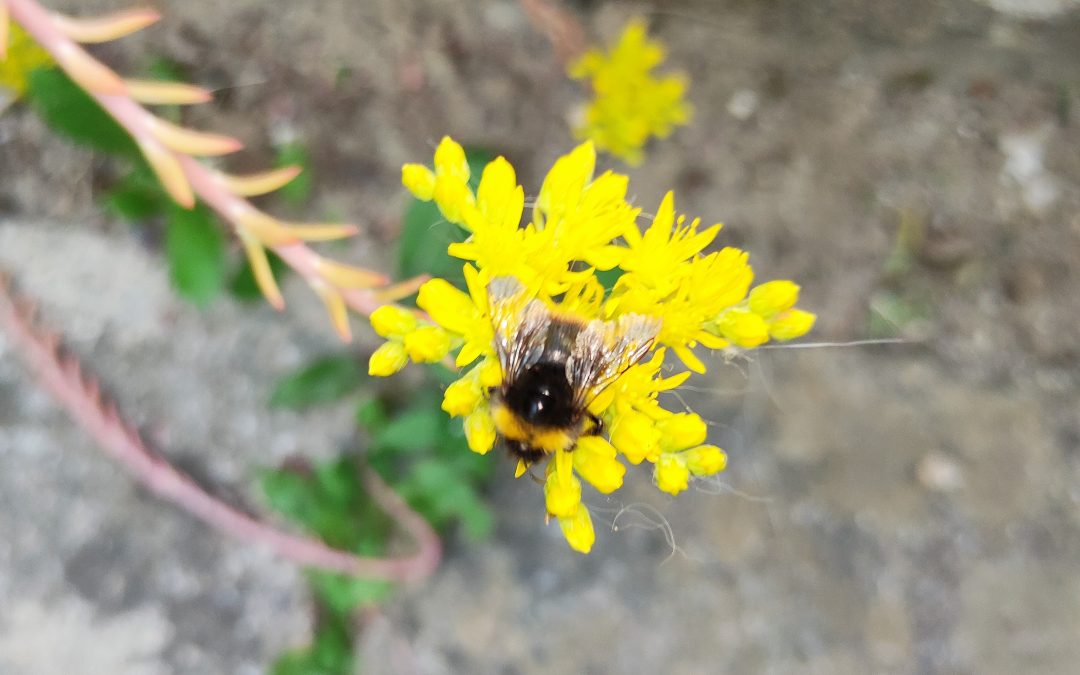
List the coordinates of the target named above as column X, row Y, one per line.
column 554, row 364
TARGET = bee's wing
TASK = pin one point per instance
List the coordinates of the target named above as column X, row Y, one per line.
column 519, row 324
column 605, row 349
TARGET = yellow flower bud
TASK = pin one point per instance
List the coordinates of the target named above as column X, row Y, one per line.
column 578, row 530
column 454, row 198
column 705, row 460
column 773, row 297
column 462, row 396
column 480, row 431
column 450, row 160
column 671, row 474
column 427, row 344
column 594, row 459
column 391, row 320
column 388, row 359
column 682, row 431
column 562, row 496
column 743, row 328
column 419, row 180
column 791, row 324
column 635, row 436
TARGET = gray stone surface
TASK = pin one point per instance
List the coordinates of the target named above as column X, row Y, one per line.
column 892, row 509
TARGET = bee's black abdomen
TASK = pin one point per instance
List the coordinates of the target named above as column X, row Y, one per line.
column 523, row 452
column 542, row 396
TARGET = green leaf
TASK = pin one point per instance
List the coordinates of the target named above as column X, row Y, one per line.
column 441, row 494
column 342, row 593
column 243, row 285
column 136, row 196
column 330, row 653
column 371, row 414
column 324, row 380
column 195, row 249
column 298, row 191
column 425, row 234
column 69, row 110
column 411, row 431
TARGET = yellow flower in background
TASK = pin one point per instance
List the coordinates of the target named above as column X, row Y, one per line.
column 580, row 224
column 630, row 104
column 23, row 57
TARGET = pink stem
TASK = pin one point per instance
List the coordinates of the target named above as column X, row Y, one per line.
column 61, row 375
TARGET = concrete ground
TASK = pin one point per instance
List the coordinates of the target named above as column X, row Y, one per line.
column 909, row 508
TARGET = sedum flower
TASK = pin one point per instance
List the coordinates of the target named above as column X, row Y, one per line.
column 582, row 223
column 630, row 103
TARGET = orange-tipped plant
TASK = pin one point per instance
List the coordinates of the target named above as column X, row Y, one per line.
column 171, row 151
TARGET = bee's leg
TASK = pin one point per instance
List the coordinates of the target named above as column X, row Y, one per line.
column 597, row 427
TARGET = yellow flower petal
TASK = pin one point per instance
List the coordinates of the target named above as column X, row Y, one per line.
column 388, row 359
column 578, row 530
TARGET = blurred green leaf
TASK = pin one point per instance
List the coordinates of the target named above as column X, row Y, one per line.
column 342, row 593
column 324, row 380
column 330, row 653
column 69, row 110
column 243, row 285
column 298, row 191
column 136, row 196
column 442, row 494
column 195, row 249
column 371, row 414
column 414, row 430
column 425, row 234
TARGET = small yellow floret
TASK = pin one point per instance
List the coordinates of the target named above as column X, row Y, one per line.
column 791, row 324
column 578, row 530
column 480, row 431
column 743, row 328
column 388, row 359
column 391, row 320
column 427, row 344
column 705, row 460
column 562, row 495
column 773, row 297
column 594, row 459
column 635, row 436
column 462, row 396
column 419, row 180
column 671, row 474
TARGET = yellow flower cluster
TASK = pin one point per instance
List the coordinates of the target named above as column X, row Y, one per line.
column 23, row 56
column 582, row 224
column 630, row 104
